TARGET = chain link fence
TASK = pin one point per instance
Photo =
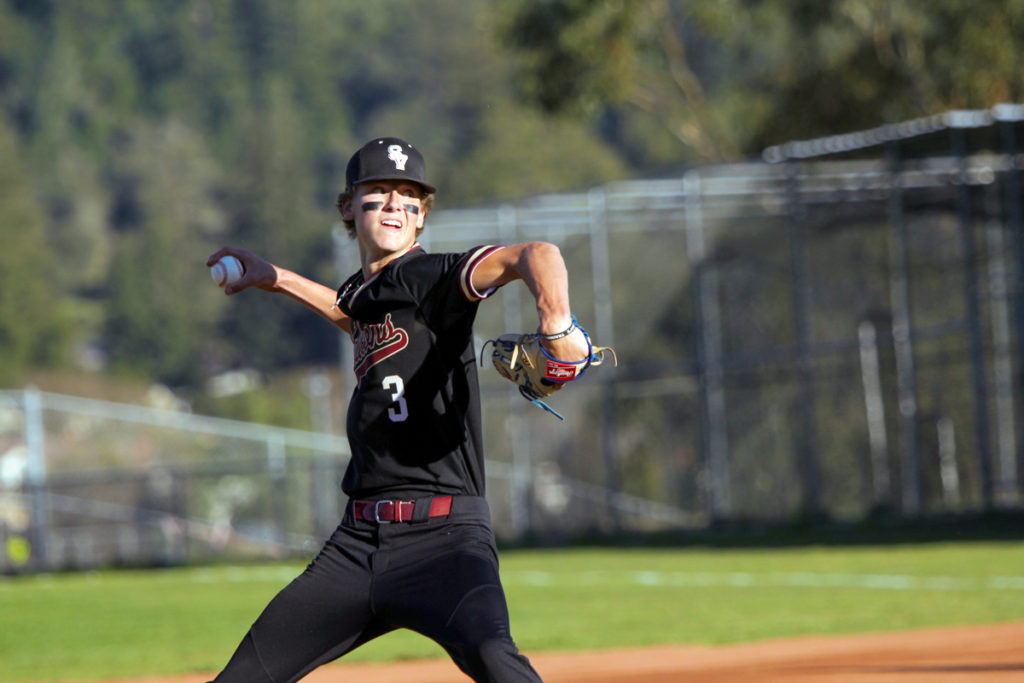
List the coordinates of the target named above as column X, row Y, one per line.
column 836, row 331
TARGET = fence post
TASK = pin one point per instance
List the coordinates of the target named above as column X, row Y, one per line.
column 874, row 408
column 346, row 262
column 604, row 331
column 1002, row 351
column 714, row 445
column 520, row 496
column 324, row 486
column 1009, row 118
column 903, row 336
column 35, row 440
column 277, row 469
column 981, row 426
column 807, row 456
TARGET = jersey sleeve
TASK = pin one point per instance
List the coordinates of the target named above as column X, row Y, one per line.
column 443, row 285
column 473, row 259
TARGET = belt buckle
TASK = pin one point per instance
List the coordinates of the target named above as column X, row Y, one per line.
column 376, row 511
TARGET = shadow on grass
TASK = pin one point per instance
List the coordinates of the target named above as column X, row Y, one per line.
column 880, row 528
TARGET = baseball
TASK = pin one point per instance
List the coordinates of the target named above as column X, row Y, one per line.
column 226, row 271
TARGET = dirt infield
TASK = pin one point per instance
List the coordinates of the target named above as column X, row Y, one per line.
column 976, row 654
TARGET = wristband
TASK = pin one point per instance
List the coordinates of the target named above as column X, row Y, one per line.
column 559, row 335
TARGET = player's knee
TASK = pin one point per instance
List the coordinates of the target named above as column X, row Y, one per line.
column 496, row 661
column 245, row 666
column 495, row 650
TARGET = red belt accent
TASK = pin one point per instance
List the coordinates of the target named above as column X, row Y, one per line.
column 387, row 511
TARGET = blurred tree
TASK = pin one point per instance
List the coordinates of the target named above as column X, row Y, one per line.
column 582, row 58
column 275, row 216
column 33, row 321
column 275, row 96
column 18, row 48
column 435, row 74
column 525, row 154
column 727, row 77
column 162, row 305
column 65, row 174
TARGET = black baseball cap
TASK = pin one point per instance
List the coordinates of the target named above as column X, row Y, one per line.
column 387, row 159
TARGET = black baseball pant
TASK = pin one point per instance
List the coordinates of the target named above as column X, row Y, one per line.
column 438, row 577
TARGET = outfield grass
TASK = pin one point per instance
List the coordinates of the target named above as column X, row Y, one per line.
column 125, row 623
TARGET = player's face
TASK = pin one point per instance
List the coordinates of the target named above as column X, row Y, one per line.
column 388, row 214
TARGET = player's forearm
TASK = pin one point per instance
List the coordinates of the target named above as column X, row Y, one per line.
column 543, row 271
column 313, row 295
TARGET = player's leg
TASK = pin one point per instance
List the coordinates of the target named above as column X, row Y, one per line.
column 447, row 587
column 322, row 614
column 478, row 640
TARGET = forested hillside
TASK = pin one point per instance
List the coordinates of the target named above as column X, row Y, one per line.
column 137, row 136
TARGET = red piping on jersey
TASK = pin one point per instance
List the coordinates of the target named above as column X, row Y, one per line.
column 466, row 276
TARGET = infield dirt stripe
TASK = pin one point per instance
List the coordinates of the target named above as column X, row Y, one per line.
column 973, row 654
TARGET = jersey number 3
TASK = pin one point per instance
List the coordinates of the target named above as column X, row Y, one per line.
column 399, row 410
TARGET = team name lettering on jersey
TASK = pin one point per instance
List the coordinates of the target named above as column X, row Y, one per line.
column 376, row 342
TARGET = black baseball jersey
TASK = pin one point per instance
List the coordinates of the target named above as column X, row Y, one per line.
column 414, row 424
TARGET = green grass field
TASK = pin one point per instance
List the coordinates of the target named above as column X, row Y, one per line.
column 125, row 623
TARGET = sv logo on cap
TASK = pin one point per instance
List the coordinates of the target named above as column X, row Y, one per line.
column 396, row 155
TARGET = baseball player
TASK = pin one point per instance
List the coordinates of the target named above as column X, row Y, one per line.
column 415, row 548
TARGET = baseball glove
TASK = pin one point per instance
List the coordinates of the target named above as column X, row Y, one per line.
column 522, row 360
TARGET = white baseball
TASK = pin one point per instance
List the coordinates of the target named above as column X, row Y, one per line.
column 226, row 271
